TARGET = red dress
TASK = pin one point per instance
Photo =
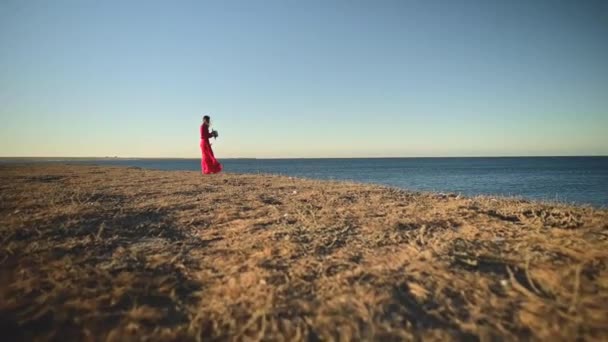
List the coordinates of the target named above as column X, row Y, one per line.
column 208, row 163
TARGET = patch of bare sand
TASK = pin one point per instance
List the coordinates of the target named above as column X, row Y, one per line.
column 99, row 253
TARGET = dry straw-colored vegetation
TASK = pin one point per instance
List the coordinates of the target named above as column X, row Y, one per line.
column 99, row 253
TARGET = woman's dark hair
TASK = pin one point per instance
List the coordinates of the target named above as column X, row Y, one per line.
column 206, row 118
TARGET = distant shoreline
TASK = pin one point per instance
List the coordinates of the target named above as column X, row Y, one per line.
column 286, row 158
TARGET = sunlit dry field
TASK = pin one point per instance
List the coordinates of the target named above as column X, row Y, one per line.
column 100, row 253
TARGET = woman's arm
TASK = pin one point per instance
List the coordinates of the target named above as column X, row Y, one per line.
column 205, row 134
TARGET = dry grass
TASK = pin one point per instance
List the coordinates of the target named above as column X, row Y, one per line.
column 98, row 253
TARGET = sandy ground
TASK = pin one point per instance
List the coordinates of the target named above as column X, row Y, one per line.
column 99, row 253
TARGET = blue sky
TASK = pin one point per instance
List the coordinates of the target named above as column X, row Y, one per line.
column 304, row 78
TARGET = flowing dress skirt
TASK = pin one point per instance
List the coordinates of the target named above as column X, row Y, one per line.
column 208, row 163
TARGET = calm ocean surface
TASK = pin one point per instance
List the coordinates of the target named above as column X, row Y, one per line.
column 582, row 180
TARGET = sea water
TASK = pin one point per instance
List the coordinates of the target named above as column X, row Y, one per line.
column 582, row 180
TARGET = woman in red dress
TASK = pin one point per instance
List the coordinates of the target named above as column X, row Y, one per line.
column 208, row 163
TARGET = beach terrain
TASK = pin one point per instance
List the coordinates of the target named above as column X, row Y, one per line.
column 94, row 253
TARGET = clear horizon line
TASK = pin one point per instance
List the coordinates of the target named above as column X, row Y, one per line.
column 363, row 157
